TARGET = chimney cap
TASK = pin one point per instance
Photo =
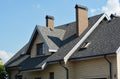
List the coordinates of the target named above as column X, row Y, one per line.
column 81, row 6
column 49, row 17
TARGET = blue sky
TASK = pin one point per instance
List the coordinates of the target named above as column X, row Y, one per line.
column 18, row 18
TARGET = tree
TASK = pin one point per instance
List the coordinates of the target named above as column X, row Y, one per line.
column 2, row 70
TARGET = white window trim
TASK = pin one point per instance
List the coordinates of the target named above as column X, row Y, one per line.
column 84, row 37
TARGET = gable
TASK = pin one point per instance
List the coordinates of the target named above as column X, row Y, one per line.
column 52, row 37
column 37, row 40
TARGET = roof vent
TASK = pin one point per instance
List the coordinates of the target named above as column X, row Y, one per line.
column 113, row 16
column 85, row 45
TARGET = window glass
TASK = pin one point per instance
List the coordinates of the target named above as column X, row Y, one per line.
column 40, row 49
column 38, row 78
column 51, row 75
column 19, row 77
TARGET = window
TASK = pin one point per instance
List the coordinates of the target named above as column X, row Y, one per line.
column 19, row 77
column 51, row 75
column 39, row 49
column 38, row 78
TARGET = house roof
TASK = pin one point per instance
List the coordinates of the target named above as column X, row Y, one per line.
column 52, row 37
column 103, row 40
column 17, row 55
column 16, row 62
column 33, row 63
column 68, row 46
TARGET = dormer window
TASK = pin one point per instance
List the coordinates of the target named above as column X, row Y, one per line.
column 39, row 49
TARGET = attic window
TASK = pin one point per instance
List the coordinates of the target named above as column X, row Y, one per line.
column 39, row 49
column 85, row 45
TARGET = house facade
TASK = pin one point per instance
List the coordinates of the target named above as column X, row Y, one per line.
column 88, row 48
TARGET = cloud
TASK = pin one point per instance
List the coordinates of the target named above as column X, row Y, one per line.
column 5, row 56
column 94, row 11
column 112, row 6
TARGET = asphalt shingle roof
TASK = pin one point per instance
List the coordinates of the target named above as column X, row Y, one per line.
column 53, row 37
column 16, row 56
column 68, row 46
column 33, row 63
column 104, row 40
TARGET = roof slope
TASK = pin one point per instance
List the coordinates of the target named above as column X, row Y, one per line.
column 68, row 46
column 104, row 40
column 33, row 63
column 53, row 37
column 106, row 37
column 17, row 55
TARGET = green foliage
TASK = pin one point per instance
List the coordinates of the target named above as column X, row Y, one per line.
column 2, row 71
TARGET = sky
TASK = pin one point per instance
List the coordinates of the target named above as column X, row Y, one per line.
column 18, row 18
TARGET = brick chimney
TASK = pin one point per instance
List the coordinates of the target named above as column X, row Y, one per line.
column 50, row 21
column 81, row 19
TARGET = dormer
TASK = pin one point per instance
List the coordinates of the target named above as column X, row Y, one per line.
column 37, row 46
column 45, row 40
column 40, row 49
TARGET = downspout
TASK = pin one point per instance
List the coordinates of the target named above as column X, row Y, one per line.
column 67, row 70
column 110, row 66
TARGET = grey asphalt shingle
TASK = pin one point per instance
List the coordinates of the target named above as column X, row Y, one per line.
column 68, row 46
column 104, row 40
column 16, row 56
column 33, row 63
column 18, row 61
column 53, row 37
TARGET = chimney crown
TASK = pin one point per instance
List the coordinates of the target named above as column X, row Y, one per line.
column 81, row 6
column 49, row 17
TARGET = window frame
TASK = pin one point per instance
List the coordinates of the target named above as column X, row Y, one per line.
column 19, row 76
column 38, row 78
column 51, row 75
column 40, row 48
